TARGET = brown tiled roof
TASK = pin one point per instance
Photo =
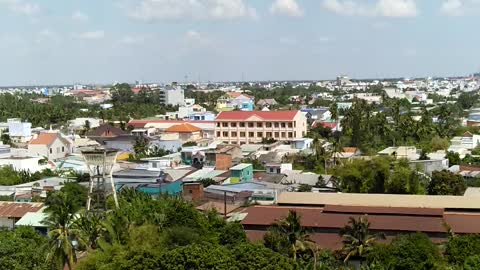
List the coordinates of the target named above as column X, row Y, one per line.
column 183, row 128
column 383, row 210
column 317, row 218
column 106, row 128
column 18, row 210
column 349, row 149
column 45, row 138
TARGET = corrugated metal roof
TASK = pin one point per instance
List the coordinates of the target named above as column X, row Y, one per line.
column 18, row 210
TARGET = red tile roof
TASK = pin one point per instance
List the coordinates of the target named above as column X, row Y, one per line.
column 265, row 115
column 18, row 210
column 330, row 125
column 349, row 149
column 45, row 138
column 142, row 123
column 183, row 128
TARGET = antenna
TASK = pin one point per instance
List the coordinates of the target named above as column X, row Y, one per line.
column 100, row 162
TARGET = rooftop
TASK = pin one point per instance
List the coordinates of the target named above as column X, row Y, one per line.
column 183, row 128
column 18, row 210
column 262, row 115
column 241, row 166
column 380, row 200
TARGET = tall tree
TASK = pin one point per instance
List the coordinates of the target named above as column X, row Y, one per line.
column 357, row 240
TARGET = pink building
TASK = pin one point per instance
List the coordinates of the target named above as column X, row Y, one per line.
column 241, row 127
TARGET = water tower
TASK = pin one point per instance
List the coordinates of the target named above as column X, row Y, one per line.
column 100, row 162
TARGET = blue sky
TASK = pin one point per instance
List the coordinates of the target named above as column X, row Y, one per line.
column 103, row 41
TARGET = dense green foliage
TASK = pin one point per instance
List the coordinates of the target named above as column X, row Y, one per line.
column 380, row 175
column 22, row 249
column 459, row 248
column 446, row 183
column 10, row 177
column 410, row 251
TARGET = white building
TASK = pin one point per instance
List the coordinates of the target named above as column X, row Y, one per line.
column 173, row 96
column 19, row 131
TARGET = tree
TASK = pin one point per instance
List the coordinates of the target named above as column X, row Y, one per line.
column 22, row 248
column 410, row 251
column 86, row 126
column 291, row 232
column 453, row 158
column 6, row 139
column 357, row 241
column 207, row 182
column 460, row 247
column 60, row 218
column 446, row 183
column 141, row 146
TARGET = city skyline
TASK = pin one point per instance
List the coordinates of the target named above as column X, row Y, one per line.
column 234, row 40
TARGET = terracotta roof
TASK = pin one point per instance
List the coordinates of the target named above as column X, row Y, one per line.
column 349, row 149
column 330, row 125
column 142, row 123
column 183, row 128
column 18, row 210
column 264, row 115
column 46, row 138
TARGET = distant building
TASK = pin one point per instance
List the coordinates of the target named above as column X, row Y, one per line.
column 174, row 96
column 19, row 131
column 252, row 127
column 241, row 173
column 235, row 100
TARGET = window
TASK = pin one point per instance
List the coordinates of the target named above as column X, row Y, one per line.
column 218, row 124
column 190, row 191
column 63, row 149
column 283, row 134
column 290, row 125
column 225, row 134
column 242, row 134
column 259, row 124
column 251, row 134
column 277, row 135
column 283, row 125
column 276, row 125
column 268, row 124
column 51, row 151
column 218, row 133
column 224, row 124
column 154, row 165
column 234, row 134
column 269, row 135
column 233, row 124
column 242, row 124
column 290, row 135
column 250, row 124
column 259, row 134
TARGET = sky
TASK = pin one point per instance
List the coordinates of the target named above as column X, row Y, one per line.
column 105, row 41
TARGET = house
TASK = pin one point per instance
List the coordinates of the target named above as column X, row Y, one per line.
column 107, row 130
column 408, row 152
column 317, row 114
column 50, row 145
column 347, row 153
column 186, row 132
column 29, row 164
column 11, row 212
column 267, row 103
column 202, row 116
column 20, row 132
column 467, row 141
column 241, row 173
column 253, row 127
column 302, row 143
column 223, row 156
column 234, row 100
column 278, row 168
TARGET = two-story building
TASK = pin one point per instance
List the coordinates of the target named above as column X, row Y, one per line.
column 50, row 145
column 241, row 127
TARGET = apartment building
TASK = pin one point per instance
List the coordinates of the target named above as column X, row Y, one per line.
column 243, row 127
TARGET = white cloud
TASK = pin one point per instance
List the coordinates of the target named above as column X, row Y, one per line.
column 150, row 10
column 382, row 8
column 21, row 7
column 287, row 8
column 90, row 35
column 79, row 16
column 460, row 7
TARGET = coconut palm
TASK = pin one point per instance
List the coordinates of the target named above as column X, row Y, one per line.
column 357, row 240
column 63, row 236
column 291, row 229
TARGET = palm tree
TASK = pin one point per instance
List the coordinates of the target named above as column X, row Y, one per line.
column 357, row 240
column 61, row 214
column 291, row 229
column 90, row 229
